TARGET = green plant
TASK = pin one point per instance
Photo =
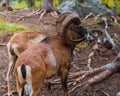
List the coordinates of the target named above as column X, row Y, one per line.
column 24, row 3
column 111, row 4
column 18, row 5
column 6, row 27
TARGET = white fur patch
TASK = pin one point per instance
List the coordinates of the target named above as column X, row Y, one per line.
column 14, row 46
column 39, row 38
column 20, row 74
column 28, row 86
column 28, row 80
column 27, row 89
column 51, row 57
column 28, row 75
column 35, row 40
column 8, row 47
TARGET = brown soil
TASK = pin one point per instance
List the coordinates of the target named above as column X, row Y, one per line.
column 108, row 87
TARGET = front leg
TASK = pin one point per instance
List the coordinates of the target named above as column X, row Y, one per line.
column 64, row 74
column 48, row 89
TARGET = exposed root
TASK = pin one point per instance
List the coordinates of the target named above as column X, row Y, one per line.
column 54, row 14
column 42, row 12
column 100, row 73
column 85, row 73
column 26, row 16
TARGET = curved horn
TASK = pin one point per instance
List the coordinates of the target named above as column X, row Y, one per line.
column 72, row 19
column 60, row 20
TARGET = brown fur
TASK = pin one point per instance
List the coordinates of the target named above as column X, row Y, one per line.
column 25, row 39
column 49, row 57
column 22, row 41
column 36, row 57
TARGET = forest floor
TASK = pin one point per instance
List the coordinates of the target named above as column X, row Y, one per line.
column 102, row 56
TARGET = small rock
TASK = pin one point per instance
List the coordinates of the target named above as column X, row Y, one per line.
column 118, row 94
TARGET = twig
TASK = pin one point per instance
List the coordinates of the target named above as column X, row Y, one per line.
column 4, row 14
column 3, row 44
column 106, row 32
column 95, row 47
column 105, row 93
column 77, row 68
column 31, row 14
column 76, row 87
column 88, row 16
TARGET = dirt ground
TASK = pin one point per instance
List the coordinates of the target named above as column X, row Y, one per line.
column 108, row 87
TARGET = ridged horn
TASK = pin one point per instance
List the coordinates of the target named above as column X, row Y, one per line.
column 72, row 19
column 60, row 20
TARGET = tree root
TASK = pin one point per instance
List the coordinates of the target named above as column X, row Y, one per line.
column 100, row 73
column 40, row 12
